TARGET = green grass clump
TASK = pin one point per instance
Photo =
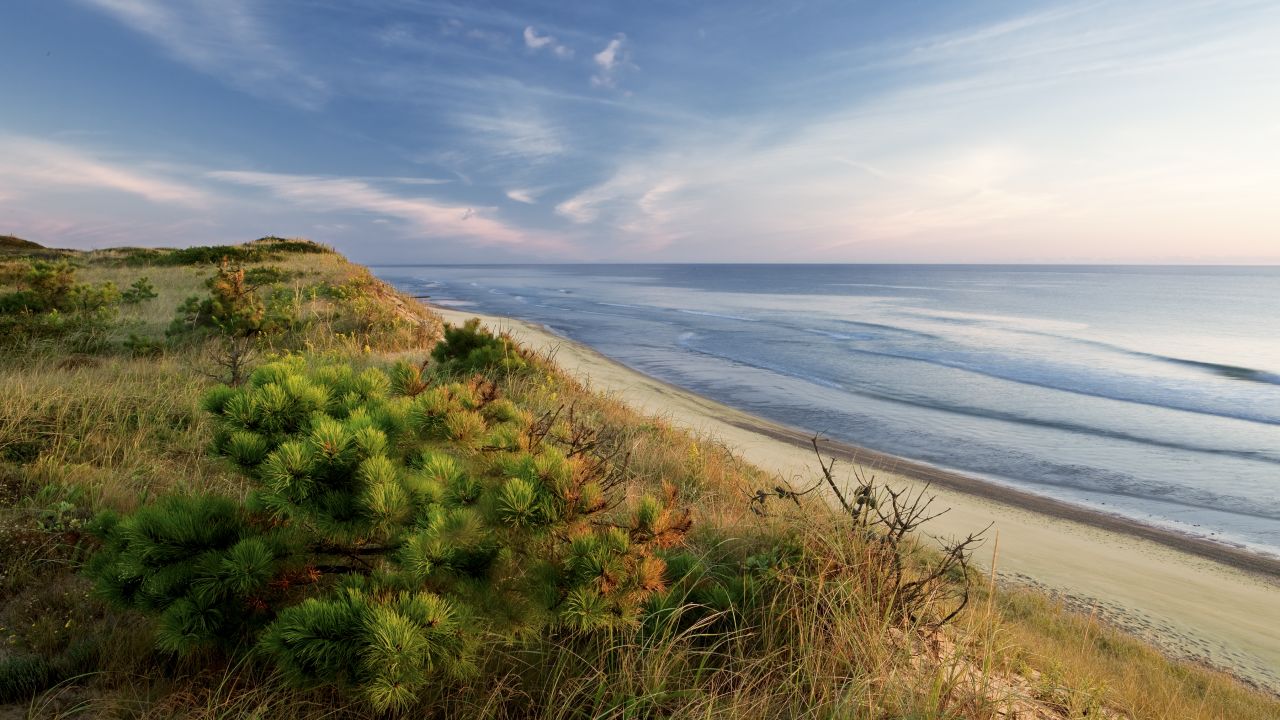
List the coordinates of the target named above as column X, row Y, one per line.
column 22, row 677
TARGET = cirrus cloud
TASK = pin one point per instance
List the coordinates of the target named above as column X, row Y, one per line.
column 423, row 215
column 226, row 40
column 32, row 163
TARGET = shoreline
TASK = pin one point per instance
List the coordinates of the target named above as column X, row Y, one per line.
column 1195, row 598
column 1267, row 566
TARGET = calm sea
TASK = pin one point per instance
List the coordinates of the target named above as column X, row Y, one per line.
column 1151, row 392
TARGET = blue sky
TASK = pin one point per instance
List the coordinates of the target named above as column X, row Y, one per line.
column 424, row 131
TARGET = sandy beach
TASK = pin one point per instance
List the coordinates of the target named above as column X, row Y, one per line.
column 1193, row 597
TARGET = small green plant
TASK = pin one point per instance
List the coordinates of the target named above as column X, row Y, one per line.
column 139, row 291
column 143, row 346
column 368, row 312
column 60, row 509
column 469, row 348
column 389, row 534
column 236, row 314
column 61, row 517
column 266, row 275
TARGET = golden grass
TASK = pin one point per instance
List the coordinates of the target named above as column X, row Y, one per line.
column 1078, row 659
column 119, row 427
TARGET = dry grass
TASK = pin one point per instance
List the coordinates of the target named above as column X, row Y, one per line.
column 1077, row 660
column 109, row 431
column 114, row 425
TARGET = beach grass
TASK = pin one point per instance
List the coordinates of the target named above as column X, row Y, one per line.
column 84, row 432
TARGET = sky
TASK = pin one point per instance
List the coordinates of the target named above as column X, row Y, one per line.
column 419, row 131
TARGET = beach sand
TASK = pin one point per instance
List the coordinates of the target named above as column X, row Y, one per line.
column 1192, row 597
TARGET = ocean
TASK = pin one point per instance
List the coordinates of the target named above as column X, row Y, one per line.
column 1147, row 392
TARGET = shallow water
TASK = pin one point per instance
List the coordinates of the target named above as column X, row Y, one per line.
column 1152, row 392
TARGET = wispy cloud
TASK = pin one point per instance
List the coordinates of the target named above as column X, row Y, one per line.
column 622, row 189
column 1013, row 140
column 1083, row 40
column 525, row 135
column 613, row 58
column 453, row 27
column 97, row 231
column 534, row 41
column 642, row 205
column 32, row 164
column 227, row 40
column 412, row 180
column 756, row 188
column 581, row 208
column 523, row 195
column 423, row 215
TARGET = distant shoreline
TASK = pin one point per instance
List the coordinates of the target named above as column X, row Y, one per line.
column 1250, row 561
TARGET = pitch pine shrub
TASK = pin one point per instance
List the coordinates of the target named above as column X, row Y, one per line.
column 140, row 291
column 469, row 348
column 236, row 314
column 49, row 305
column 386, row 536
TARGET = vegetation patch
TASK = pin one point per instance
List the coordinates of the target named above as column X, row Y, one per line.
column 12, row 246
column 48, row 305
column 387, row 534
column 12, row 243
column 267, row 249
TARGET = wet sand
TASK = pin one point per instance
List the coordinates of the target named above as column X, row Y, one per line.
column 1191, row 596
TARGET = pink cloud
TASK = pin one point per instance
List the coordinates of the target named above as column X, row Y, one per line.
column 39, row 164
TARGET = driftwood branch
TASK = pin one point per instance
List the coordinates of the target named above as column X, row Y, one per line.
column 928, row 593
